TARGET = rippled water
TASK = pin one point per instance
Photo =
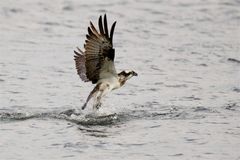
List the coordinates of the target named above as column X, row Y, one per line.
column 185, row 103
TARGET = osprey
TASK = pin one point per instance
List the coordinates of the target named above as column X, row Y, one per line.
column 96, row 63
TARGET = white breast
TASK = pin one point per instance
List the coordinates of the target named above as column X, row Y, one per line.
column 111, row 81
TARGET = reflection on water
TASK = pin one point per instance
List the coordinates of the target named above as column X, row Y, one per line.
column 186, row 94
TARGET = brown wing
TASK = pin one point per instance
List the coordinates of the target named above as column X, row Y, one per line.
column 99, row 51
column 80, row 64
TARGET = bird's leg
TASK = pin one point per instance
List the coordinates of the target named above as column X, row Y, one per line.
column 92, row 94
column 97, row 102
column 102, row 91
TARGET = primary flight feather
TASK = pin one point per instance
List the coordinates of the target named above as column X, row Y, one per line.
column 96, row 63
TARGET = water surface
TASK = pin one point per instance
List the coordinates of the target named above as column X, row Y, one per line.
column 184, row 104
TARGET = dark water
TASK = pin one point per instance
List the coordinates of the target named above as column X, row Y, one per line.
column 185, row 103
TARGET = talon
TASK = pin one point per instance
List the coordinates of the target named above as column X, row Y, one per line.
column 97, row 106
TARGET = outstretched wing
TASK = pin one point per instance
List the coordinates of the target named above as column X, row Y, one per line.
column 99, row 53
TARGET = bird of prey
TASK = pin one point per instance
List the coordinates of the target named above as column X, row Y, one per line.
column 96, row 63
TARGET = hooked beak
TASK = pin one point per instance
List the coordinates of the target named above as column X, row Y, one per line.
column 135, row 74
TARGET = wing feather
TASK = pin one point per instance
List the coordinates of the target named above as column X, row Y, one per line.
column 98, row 58
column 112, row 31
column 94, row 30
column 106, row 26
column 80, row 64
column 100, row 25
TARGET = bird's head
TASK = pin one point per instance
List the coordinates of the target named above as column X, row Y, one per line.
column 126, row 75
